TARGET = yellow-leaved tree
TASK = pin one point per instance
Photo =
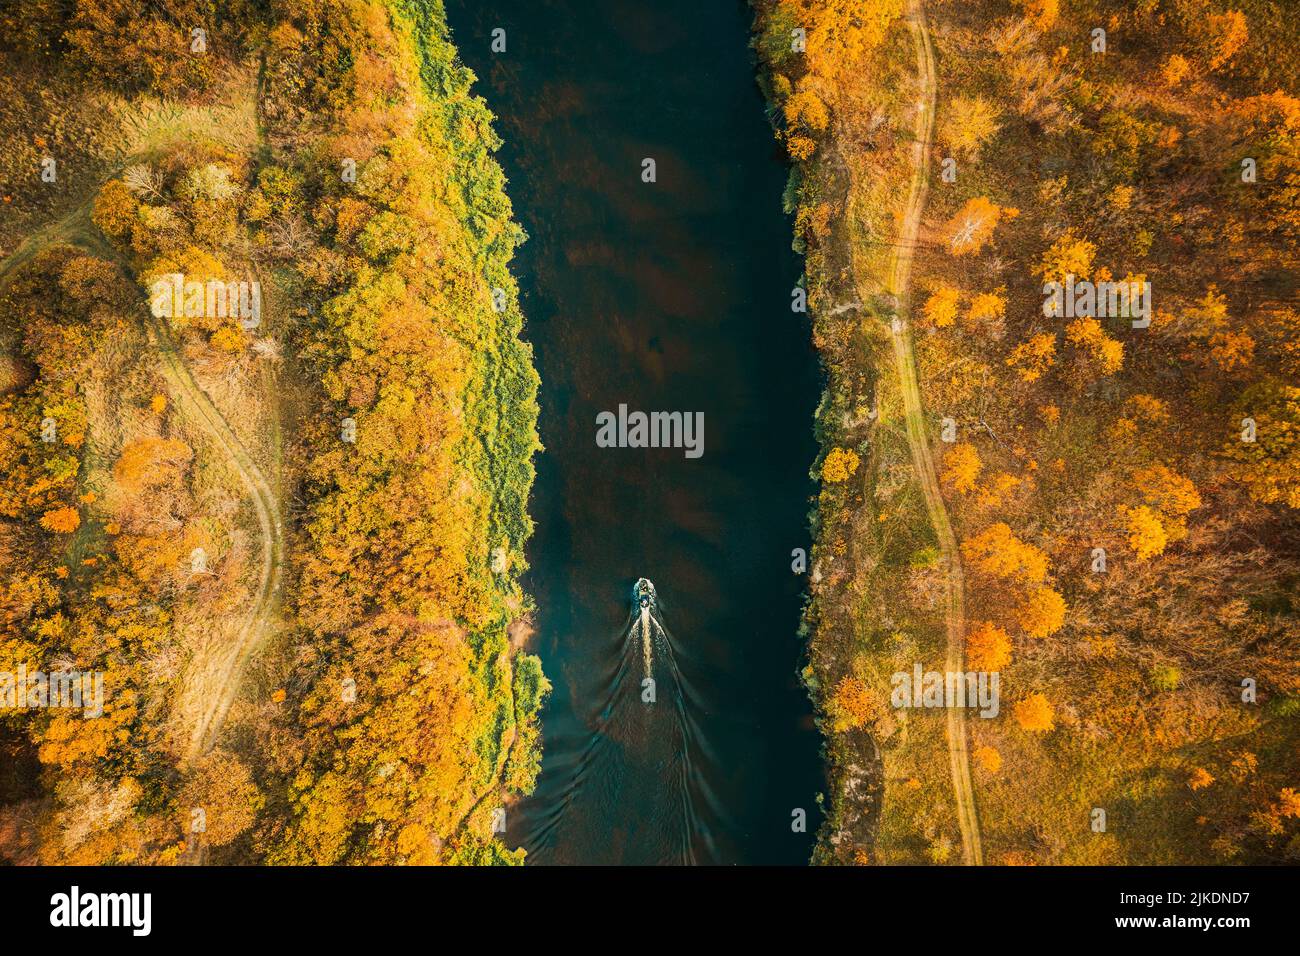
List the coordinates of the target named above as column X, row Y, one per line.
column 1041, row 612
column 1035, row 713
column 961, row 467
column 972, row 227
column 851, row 705
column 988, row 648
column 839, row 465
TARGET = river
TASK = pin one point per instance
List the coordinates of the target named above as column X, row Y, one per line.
column 671, row 295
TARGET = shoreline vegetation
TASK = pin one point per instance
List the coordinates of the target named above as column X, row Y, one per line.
column 296, row 540
column 1126, row 532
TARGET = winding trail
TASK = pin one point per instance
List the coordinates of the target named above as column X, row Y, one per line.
column 212, row 680
column 899, row 286
column 215, row 679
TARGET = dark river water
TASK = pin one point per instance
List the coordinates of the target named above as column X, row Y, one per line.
column 664, row 296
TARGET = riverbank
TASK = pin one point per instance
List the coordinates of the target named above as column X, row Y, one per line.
column 870, row 519
column 1006, row 491
column 292, row 545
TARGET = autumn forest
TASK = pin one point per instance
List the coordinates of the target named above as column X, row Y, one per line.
column 288, row 536
column 269, row 424
column 1099, row 504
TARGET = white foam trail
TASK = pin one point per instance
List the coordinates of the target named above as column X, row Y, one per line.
column 646, row 653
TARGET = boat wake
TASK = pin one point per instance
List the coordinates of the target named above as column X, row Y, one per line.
column 637, row 751
column 645, row 598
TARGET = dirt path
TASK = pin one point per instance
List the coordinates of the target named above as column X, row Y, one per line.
column 899, row 286
column 213, row 680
